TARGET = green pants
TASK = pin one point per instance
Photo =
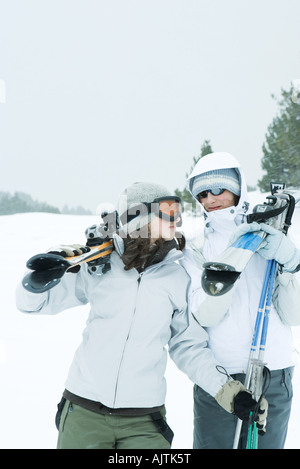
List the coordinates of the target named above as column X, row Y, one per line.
column 83, row 429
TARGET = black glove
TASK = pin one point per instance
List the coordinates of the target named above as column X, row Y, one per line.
column 235, row 398
column 243, row 404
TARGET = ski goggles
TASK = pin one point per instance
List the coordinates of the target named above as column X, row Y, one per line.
column 217, row 191
column 166, row 208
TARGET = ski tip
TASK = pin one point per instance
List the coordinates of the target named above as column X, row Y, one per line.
column 46, row 261
column 218, row 279
column 30, row 284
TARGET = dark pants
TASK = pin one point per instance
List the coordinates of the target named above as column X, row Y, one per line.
column 214, row 428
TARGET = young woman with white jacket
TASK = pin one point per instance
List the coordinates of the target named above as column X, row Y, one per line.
column 115, row 390
column 218, row 184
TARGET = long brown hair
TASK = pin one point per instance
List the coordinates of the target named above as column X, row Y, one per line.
column 139, row 252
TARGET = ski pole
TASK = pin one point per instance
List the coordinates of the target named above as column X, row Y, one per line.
column 254, row 343
column 285, row 202
column 264, row 331
column 257, row 386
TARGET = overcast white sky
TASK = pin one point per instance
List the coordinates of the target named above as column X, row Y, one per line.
column 103, row 93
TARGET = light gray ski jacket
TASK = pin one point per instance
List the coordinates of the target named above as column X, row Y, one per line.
column 133, row 318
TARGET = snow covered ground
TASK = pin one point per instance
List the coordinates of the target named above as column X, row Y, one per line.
column 36, row 351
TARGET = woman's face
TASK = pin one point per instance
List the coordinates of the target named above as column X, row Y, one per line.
column 217, row 202
column 164, row 229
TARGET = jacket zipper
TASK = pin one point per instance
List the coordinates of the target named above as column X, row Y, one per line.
column 126, row 340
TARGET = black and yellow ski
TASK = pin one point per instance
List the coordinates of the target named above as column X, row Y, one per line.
column 48, row 269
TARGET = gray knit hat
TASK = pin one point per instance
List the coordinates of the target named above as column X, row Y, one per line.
column 220, row 178
column 132, row 197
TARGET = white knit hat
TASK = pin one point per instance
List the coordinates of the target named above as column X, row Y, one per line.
column 227, row 178
column 135, row 195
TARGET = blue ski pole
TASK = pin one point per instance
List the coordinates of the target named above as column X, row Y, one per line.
column 256, row 387
column 285, row 204
column 253, row 350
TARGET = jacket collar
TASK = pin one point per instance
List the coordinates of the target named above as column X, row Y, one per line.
column 227, row 218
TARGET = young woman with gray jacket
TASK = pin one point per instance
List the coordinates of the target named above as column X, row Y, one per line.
column 115, row 391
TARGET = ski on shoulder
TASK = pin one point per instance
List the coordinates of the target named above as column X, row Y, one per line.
column 220, row 275
column 49, row 268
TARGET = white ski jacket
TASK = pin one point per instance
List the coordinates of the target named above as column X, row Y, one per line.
column 230, row 319
column 122, row 358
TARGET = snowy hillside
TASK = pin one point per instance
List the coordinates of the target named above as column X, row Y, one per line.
column 36, row 351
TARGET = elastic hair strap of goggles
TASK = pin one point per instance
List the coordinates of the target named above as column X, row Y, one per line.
column 134, row 212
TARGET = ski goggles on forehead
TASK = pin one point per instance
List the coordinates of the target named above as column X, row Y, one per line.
column 217, row 191
column 167, row 208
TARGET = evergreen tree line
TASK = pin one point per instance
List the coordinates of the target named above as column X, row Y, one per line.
column 20, row 202
column 281, row 148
